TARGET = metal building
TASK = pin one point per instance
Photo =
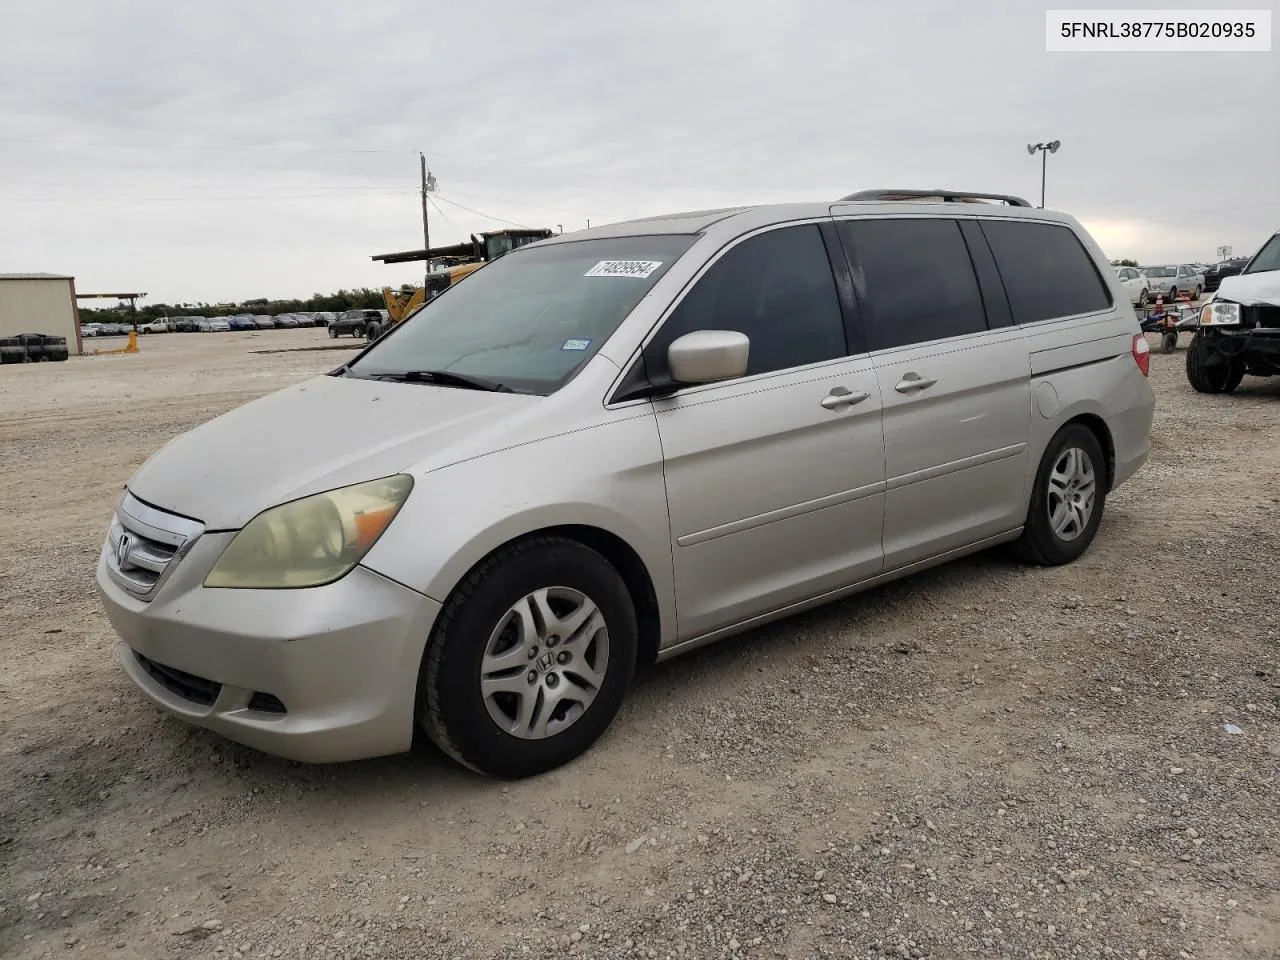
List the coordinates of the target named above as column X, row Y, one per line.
column 40, row 303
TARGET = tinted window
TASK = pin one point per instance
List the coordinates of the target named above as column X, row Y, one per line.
column 1047, row 273
column 918, row 280
column 775, row 287
column 530, row 319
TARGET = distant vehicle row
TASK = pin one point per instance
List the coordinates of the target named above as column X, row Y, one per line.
column 355, row 322
column 1170, row 281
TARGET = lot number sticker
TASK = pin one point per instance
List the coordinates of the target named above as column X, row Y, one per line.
column 624, row 268
column 575, row 344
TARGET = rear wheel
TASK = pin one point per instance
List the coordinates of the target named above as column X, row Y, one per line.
column 1209, row 370
column 1068, row 499
column 530, row 658
column 1142, row 298
column 333, row 332
column 1173, row 295
column 1169, row 342
column 1196, row 295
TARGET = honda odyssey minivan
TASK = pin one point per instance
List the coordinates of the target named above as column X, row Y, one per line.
column 614, row 446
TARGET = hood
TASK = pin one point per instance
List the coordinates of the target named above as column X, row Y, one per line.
column 323, row 433
column 1251, row 289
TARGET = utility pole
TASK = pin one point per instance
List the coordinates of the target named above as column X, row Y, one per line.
column 428, row 186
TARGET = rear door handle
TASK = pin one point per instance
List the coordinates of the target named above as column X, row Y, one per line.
column 839, row 398
column 913, row 381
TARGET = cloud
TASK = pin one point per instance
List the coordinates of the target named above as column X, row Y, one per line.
column 278, row 141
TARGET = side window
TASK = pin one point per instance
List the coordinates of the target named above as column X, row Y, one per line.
column 778, row 289
column 918, row 282
column 1047, row 273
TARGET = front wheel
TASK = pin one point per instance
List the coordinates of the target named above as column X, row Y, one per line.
column 530, row 658
column 333, row 333
column 1068, row 499
column 1209, row 370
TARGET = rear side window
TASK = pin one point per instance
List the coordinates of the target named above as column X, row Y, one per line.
column 778, row 289
column 917, row 281
column 1047, row 272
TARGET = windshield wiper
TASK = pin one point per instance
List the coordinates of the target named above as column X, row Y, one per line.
column 445, row 378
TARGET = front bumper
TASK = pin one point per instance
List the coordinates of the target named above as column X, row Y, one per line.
column 318, row 675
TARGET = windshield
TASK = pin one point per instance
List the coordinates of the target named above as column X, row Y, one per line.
column 1160, row 271
column 1266, row 259
column 530, row 320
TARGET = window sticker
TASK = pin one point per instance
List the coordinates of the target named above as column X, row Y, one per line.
column 624, row 268
column 575, row 344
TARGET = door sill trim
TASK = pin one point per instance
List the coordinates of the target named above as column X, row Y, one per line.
column 684, row 646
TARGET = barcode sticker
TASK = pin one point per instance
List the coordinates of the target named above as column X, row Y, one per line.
column 624, row 268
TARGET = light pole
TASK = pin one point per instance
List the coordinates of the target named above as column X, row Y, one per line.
column 1045, row 149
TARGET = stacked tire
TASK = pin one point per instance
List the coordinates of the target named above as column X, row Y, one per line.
column 12, row 350
column 33, row 347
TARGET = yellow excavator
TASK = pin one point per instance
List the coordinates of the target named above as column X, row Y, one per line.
column 451, row 264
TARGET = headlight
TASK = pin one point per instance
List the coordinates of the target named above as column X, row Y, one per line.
column 1220, row 314
column 312, row 541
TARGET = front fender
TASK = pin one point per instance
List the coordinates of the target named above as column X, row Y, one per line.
column 608, row 477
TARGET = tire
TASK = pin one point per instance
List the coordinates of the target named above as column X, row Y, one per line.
column 333, row 333
column 373, row 330
column 1196, row 295
column 1208, row 374
column 1173, row 295
column 1169, row 342
column 13, row 354
column 1142, row 299
column 1041, row 543
column 452, row 709
column 56, row 353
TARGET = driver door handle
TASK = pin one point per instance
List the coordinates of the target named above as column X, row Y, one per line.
column 913, row 381
column 839, row 397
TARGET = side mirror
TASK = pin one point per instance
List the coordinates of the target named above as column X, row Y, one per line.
column 708, row 355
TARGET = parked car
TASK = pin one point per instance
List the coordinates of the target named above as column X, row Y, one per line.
column 263, row 323
column 213, row 325
column 183, row 324
column 709, row 432
column 154, row 326
column 287, row 322
column 357, row 323
column 1240, row 327
column 90, row 329
column 242, row 323
column 1170, row 280
column 113, row 329
column 1220, row 271
column 1135, row 284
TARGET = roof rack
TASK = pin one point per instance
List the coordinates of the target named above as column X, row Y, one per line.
column 947, row 196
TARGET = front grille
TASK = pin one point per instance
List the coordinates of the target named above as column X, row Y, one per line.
column 144, row 543
column 1261, row 315
column 186, row 685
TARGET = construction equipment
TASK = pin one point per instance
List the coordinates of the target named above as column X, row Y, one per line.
column 448, row 265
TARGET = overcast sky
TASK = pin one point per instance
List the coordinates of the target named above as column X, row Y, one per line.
column 206, row 152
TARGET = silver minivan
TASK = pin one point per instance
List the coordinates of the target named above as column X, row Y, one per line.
column 614, row 446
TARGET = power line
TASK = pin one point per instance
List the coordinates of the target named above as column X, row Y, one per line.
column 193, row 146
column 479, row 213
column 454, row 226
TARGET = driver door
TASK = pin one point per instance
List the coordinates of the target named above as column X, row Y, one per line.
column 775, row 480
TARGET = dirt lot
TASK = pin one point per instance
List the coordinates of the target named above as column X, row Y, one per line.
column 983, row 760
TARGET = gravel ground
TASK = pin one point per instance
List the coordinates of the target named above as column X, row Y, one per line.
column 983, row 760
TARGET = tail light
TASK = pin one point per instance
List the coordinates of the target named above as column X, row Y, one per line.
column 1142, row 353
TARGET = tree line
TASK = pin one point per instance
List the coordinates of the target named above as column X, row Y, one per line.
column 361, row 299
